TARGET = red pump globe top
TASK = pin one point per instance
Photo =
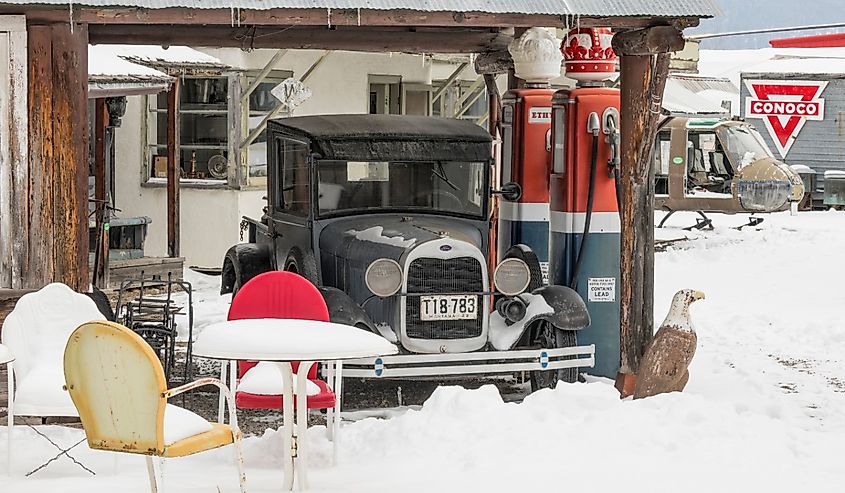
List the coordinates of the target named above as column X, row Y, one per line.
column 588, row 55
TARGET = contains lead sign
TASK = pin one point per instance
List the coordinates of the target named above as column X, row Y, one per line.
column 601, row 289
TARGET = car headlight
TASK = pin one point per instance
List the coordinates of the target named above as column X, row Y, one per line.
column 384, row 277
column 512, row 276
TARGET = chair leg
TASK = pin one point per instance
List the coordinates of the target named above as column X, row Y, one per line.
column 10, row 411
column 151, row 472
column 239, row 462
column 222, row 398
column 338, row 398
column 330, row 411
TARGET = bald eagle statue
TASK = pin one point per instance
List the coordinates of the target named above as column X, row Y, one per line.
column 664, row 365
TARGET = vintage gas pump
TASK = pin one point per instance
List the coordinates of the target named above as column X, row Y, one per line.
column 584, row 220
column 526, row 148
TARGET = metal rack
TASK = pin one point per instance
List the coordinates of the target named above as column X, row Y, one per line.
column 153, row 317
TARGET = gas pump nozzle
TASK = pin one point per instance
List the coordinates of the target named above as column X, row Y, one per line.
column 610, row 127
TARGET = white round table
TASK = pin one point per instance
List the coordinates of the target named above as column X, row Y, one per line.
column 284, row 341
column 8, row 359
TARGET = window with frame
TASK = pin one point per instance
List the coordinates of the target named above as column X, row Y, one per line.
column 203, row 129
column 292, row 183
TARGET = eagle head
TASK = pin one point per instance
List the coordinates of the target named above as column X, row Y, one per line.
column 679, row 311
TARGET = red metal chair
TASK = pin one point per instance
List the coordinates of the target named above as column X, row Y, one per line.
column 280, row 294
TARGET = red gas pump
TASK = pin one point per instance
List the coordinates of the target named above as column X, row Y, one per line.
column 584, row 214
column 526, row 136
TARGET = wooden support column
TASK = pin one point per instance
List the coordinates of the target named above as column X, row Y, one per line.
column 644, row 68
column 14, row 166
column 101, row 249
column 494, row 104
column 58, row 158
column 173, row 170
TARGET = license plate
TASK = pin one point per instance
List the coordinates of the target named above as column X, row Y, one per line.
column 450, row 307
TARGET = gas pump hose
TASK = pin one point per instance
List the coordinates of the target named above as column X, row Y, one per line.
column 573, row 281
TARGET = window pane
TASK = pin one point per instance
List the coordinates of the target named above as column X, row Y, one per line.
column 295, row 190
column 445, row 187
column 203, row 128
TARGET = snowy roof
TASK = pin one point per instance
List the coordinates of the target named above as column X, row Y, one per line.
column 111, row 74
column 603, row 8
column 826, row 66
column 694, row 96
column 732, row 63
column 171, row 57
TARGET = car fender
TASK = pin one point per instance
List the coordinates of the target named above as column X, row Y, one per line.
column 344, row 310
column 241, row 263
column 559, row 305
column 569, row 312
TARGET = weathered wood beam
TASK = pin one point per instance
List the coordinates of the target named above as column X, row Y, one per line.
column 69, row 188
column 323, row 17
column 494, row 62
column 643, row 78
column 651, row 41
column 101, row 121
column 357, row 39
column 173, row 170
column 14, row 169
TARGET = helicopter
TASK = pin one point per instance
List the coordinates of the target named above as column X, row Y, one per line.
column 709, row 165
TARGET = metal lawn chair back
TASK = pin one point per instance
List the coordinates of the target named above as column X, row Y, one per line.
column 117, row 383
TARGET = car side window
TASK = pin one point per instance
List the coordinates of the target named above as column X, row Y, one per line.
column 293, row 187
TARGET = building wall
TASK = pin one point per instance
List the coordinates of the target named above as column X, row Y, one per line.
column 820, row 144
column 210, row 218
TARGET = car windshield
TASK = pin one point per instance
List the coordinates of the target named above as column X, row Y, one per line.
column 427, row 186
column 743, row 144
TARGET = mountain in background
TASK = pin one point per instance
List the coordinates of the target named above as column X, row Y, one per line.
column 739, row 15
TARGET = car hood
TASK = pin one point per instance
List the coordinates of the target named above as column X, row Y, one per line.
column 349, row 245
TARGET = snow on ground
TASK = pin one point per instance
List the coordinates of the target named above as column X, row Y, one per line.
column 764, row 409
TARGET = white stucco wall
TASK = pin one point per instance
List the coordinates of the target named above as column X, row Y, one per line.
column 210, row 218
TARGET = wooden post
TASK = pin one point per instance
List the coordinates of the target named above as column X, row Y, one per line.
column 70, row 154
column 644, row 68
column 58, row 160
column 173, row 169
column 14, row 169
column 494, row 104
column 101, row 254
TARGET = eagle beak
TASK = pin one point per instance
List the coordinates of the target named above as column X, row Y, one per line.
column 698, row 295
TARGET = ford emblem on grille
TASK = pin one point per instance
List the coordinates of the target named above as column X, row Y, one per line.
column 445, row 248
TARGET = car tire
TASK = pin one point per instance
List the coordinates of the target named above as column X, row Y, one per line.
column 528, row 256
column 242, row 263
column 546, row 335
column 303, row 264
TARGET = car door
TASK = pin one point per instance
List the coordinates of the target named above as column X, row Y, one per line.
column 290, row 199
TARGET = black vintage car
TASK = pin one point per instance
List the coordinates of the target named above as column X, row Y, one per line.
column 390, row 217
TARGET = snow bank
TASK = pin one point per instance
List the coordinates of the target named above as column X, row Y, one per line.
column 764, row 410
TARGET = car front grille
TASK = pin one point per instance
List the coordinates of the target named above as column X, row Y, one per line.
column 443, row 276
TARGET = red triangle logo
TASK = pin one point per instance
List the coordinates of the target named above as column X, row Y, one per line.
column 784, row 106
column 783, row 132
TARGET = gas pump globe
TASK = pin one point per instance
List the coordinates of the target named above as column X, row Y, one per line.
column 584, row 213
column 526, row 124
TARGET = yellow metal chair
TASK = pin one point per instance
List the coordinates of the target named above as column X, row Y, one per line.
column 117, row 384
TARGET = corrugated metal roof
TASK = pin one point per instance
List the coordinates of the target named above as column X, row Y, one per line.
column 591, row 8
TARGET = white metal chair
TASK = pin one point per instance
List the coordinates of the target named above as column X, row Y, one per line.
column 118, row 385
column 36, row 332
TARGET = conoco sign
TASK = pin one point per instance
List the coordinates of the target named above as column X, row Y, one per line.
column 784, row 106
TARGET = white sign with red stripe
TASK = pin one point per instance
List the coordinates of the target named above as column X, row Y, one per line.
column 784, row 106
